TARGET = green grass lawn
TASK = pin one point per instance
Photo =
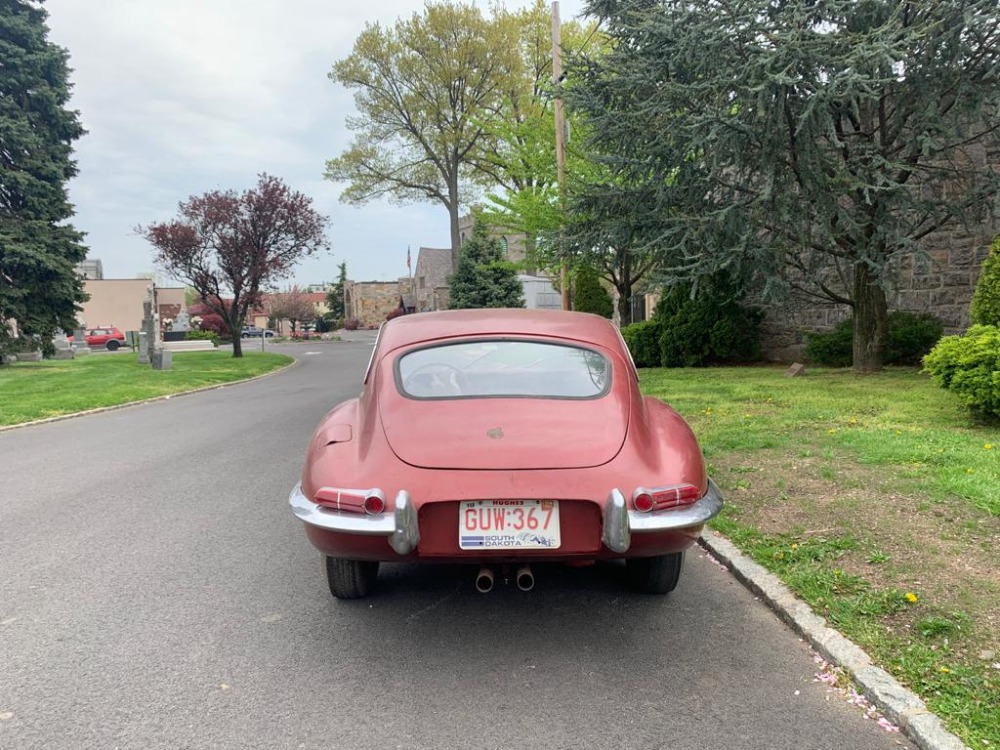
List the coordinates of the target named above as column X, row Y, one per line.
column 877, row 500
column 36, row 390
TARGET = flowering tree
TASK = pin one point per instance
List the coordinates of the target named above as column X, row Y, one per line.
column 293, row 306
column 230, row 245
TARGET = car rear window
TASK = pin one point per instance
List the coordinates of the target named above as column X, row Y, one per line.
column 498, row 368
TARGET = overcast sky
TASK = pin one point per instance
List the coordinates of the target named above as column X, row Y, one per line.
column 184, row 96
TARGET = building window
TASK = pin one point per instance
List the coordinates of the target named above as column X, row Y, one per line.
column 421, row 282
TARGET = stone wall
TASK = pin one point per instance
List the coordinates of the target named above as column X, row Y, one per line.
column 940, row 280
column 371, row 301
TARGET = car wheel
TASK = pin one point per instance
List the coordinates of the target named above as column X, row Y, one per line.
column 113, row 345
column 350, row 579
column 244, row 335
column 654, row 575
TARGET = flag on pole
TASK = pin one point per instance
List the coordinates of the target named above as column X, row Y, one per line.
column 408, row 258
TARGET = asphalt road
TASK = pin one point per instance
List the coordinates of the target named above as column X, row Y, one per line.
column 156, row 592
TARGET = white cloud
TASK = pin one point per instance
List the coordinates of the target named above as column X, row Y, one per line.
column 184, row 96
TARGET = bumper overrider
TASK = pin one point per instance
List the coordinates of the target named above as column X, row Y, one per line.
column 403, row 532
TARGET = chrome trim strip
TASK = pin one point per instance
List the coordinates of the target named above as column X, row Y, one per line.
column 696, row 514
column 616, row 535
column 348, row 523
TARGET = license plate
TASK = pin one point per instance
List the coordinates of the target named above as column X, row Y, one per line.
column 508, row 524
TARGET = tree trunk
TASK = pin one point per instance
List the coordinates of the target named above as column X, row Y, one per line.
column 871, row 316
column 237, row 344
column 625, row 304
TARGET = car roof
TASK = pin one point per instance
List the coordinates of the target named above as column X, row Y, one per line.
column 423, row 327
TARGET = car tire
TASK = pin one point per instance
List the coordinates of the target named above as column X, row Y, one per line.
column 244, row 335
column 654, row 575
column 350, row 579
column 113, row 345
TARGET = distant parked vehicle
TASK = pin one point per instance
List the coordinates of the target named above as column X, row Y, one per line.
column 253, row 332
column 107, row 336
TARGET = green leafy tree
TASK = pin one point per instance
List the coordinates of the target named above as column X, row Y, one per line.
column 803, row 146
column 589, row 295
column 335, row 297
column 427, row 91
column 39, row 286
column 986, row 300
column 483, row 277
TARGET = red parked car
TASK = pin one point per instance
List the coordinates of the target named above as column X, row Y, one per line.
column 502, row 438
column 107, row 336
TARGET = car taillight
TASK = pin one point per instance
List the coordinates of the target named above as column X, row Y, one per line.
column 643, row 502
column 370, row 501
column 661, row 498
column 374, row 504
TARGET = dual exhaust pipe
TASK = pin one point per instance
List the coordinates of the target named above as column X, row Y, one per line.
column 524, row 579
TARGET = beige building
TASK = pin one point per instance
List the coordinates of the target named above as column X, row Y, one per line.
column 118, row 302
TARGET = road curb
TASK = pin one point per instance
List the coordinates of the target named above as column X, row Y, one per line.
column 164, row 397
column 900, row 706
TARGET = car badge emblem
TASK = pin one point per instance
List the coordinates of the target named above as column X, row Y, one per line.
column 496, row 433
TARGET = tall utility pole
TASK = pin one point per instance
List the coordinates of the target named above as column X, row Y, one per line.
column 560, row 144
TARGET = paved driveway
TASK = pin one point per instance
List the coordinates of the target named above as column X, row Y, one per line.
column 157, row 593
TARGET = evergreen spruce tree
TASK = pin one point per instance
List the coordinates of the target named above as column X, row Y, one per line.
column 39, row 286
column 589, row 295
column 986, row 300
column 484, row 278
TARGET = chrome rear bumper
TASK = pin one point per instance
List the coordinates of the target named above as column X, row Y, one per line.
column 400, row 525
column 404, row 533
column 620, row 522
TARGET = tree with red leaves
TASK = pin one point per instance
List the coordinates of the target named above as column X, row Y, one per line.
column 230, row 246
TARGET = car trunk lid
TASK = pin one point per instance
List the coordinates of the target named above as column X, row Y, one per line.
column 505, row 433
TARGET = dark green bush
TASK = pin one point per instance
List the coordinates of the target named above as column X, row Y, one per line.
column 589, row 295
column 986, row 300
column 832, row 348
column 712, row 328
column 969, row 366
column 910, row 337
column 643, row 340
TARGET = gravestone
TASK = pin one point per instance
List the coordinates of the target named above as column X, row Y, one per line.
column 147, row 307
column 80, row 341
column 795, row 370
column 64, row 349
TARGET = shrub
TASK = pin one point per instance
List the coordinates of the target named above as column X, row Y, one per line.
column 969, row 366
column 352, row 324
column 589, row 295
column 832, row 348
column 986, row 299
column 910, row 337
column 643, row 341
column 711, row 328
column 203, row 336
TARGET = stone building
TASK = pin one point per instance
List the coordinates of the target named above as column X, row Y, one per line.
column 371, row 301
column 430, row 279
column 513, row 243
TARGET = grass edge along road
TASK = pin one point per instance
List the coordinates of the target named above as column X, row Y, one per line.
column 876, row 499
column 39, row 390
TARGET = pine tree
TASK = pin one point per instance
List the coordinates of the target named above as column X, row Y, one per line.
column 483, row 277
column 589, row 295
column 986, row 300
column 39, row 286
